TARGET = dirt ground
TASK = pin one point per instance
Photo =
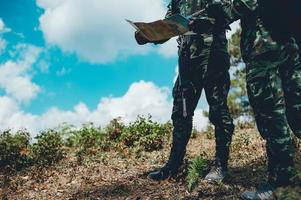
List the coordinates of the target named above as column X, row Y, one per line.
column 115, row 175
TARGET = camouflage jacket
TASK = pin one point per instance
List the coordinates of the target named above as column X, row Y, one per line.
column 255, row 39
column 189, row 7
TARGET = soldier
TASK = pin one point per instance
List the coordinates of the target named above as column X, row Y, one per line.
column 282, row 28
column 204, row 64
column 274, row 88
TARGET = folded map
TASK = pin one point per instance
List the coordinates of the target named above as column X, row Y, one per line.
column 162, row 29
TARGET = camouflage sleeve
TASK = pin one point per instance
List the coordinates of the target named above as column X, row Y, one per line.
column 169, row 11
column 231, row 11
column 241, row 8
column 172, row 8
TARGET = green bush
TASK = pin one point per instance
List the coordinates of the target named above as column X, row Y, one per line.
column 48, row 149
column 14, row 149
column 114, row 129
column 145, row 134
column 87, row 141
column 87, row 137
column 67, row 131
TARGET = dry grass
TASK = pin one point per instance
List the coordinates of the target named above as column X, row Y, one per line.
column 115, row 175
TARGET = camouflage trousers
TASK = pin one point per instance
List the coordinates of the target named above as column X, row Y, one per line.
column 208, row 70
column 274, row 90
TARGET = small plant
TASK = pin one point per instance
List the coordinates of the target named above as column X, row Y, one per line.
column 195, row 170
column 48, row 149
column 14, row 149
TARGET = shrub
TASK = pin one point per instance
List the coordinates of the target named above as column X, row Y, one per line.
column 114, row 129
column 14, row 149
column 48, row 149
column 87, row 137
column 145, row 134
column 67, row 131
column 195, row 170
column 87, row 140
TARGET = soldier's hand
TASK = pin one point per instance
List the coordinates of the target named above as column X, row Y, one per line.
column 201, row 25
column 140, row 39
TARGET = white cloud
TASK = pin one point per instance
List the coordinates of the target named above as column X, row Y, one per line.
column 15, row 77
column 200, row 122
column 3, row 45
column 12, row 117
column 169, row 49
column 43, row 66
column 3, row 28
column 7, row 107
column 1, row 24
column 96, row 30
column 3, row 42
column 49, row 3
column 142, row 98
column 63, row 71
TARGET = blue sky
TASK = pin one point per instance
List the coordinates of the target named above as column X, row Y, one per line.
column 77, row 61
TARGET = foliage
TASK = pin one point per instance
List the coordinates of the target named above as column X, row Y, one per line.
column 196, row 169
column 114, row 129
column 14, row 149
column 48, row 149
column 145, row 134
column 67, row 131
column 87, row 141
column 237, row 101
column 86, row 137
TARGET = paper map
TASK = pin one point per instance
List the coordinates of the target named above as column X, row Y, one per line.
column 162, row 29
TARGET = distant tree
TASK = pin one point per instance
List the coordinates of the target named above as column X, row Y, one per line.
column 238, row 100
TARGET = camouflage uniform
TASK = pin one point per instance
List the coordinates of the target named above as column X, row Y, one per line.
column 207, row 69
column 274, row 87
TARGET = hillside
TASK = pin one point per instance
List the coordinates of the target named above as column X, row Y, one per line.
column 121, row 174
